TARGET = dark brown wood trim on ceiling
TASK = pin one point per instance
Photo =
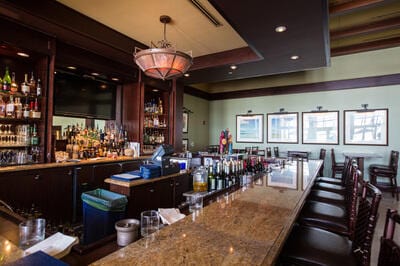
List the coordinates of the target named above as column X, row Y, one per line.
column 364, row 47
column 346, row 84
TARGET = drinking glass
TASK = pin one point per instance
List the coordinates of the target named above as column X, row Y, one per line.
column 31, row 232
column 149, row 222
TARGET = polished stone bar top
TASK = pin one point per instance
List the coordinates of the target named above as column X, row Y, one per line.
column 8, row 251
column 14, row 168
column 247, row 227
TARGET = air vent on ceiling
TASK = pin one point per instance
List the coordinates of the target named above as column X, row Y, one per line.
column 206, row 13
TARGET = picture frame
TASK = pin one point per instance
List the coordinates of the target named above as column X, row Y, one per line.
column 185, row 144
column 185, row 122
column 282, row 127
column 366, row 127
column 249, row 128
column 321, row 127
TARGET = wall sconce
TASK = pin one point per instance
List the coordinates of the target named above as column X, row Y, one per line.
column 365, row 106
column 281, row 110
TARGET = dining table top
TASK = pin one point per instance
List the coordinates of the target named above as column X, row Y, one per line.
column 248, row 226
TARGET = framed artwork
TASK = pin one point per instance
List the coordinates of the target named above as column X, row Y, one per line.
column 185, row 122
column 366, row 127
column 185, row 143
column 282, row 128
column 320, row 127
column 249, row 128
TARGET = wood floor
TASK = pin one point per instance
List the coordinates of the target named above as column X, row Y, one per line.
column 387, row 202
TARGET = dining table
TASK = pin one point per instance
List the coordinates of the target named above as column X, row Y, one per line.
column 361, row 156
column 248, row 226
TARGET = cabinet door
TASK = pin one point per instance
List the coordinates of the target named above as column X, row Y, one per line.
column 165, row 192
column 144, row 197
column 103, row 171
column 82, row 182
column 182, row 184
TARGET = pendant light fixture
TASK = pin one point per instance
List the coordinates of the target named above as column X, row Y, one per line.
column 163, row 61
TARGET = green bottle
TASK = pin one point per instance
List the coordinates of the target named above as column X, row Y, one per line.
column 7, row 81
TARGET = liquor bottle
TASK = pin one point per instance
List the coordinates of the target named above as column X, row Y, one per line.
column 32, row 84
column 227, row 182
column 39, row 88
column 34, row 136
column 160, row 107
column 18, row 108
column 211, row 179
column 2, row 108
column 10, row 108
column 219, row 179
column 26, row 110
column 25, row 89
column 7, row 81
column 14, row 85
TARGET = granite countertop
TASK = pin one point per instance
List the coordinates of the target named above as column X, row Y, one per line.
column 14, row 168
column 248, row 226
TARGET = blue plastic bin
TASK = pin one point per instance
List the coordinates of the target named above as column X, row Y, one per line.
column 101, row 209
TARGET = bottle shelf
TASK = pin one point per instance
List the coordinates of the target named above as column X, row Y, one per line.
column 161, row 128
column 152, row 114
column 19, row 94
column 18, row 120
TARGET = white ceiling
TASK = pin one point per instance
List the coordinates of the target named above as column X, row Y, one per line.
column 189, row 30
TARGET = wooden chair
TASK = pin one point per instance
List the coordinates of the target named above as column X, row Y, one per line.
column 322, row 155
column 248, row 150
column 389, row 253
column 254, row 150
column 276, row 152
column 297, row 154
column 337, row 168
column 268, row 152
column 386, row 171
column 308, row 245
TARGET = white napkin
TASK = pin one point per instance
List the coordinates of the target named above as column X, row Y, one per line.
column 170, row 216
column 57, row 245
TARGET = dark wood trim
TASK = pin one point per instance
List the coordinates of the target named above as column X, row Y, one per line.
column 346, row 84
column 235, row 56
column 368, row 28
column 364, row 47
column 349, row 6
column 197, row 93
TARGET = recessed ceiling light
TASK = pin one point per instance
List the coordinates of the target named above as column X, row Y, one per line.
column 186, row 75
column 115, row 79
column 71, row 67
column 280, row 28
column 22, row 54
column 294, row 57
column 154, row 90
column 230, row 72
column 233, row 67
column 95, row 74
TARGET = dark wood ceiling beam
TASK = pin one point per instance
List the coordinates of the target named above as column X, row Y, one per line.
column 366, row 28
column 235, row 56
column 368, row 46
column 350, row 6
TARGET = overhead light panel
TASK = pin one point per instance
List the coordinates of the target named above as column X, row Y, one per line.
column 206, row 13
column 281, row 28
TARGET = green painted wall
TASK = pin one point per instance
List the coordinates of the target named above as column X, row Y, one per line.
column 198, row 126
column 222, row 114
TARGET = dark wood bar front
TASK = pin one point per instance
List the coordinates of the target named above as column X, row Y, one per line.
column 248, row 226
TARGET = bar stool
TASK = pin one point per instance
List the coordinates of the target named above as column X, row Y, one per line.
column 314, row 246
column 336, row 167
column 389, row 253
column 322, row 155
column 386, row 171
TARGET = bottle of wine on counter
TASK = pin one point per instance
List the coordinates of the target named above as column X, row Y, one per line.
column 7, row 80
column 219, row 179
column 211, row 179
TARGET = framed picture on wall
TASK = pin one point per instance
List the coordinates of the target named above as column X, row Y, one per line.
column 366, row 127
column 320, row 127
column 282, row 128
column 185, row 122
column 185, row 143
column 249, row 128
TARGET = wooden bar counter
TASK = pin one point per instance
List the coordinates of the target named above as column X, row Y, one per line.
column 248, row 226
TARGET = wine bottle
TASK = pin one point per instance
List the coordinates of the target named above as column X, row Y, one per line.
column 14, row 85
column 219, row 179
column 2, row 107
column 7, row 81
column 25, row 89
column 211, row 179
